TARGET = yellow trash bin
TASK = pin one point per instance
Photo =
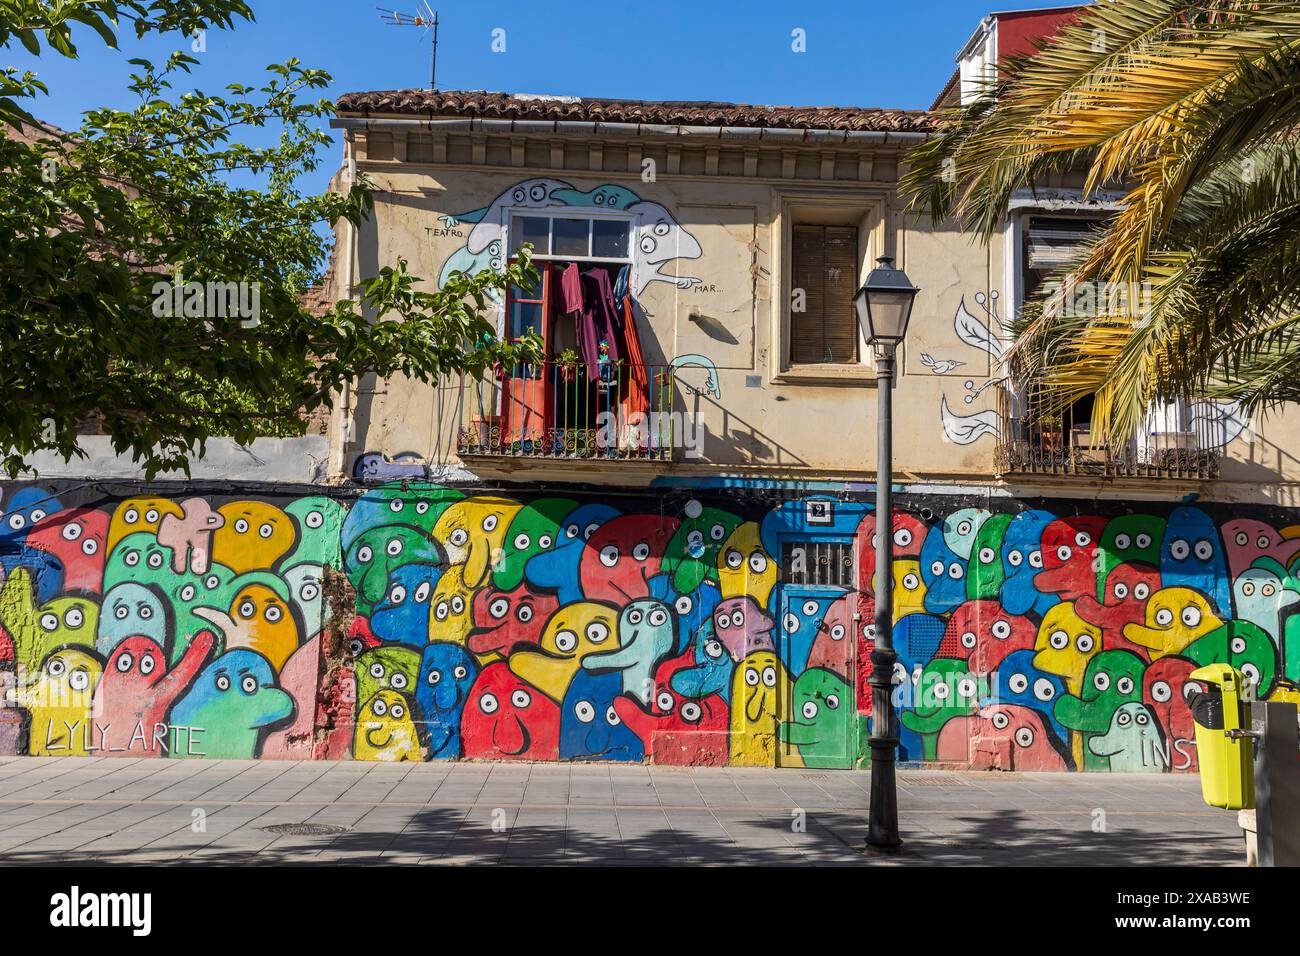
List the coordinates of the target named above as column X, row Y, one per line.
column 1224, row 751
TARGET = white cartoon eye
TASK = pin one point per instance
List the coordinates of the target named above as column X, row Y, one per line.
column 421, row 593
column 74, row 617
column 355, row 647
column 1191, row 615
column 441, row 610
column 155, row 560
column 89, row 546
column 79, row 680
column 910, row 582
column 1121, row 590
column 648, row 244
column 1044, row 689
column 421, row 507
column 658, row 617
column 537, row 193
column 457, row 605
column 718, row 532
column 145, row 612
column 1122, row 542
column 309, row 591
column 266, row 530
column 684, row 604
column 1180, row 549
column 1250, row 671
column 223, row 682
column 572, row 531
column 72, row 531
column 751, row 677
column 524, row 614
column 1001, row 721
column 791, row 622
column 1084, row 643
column 249, row 684
column 1001, row 630
column 460, row 672
column 809, row 608
column 738, row 618
column 609, row 555
column 641, row 551
column 1243, row 539
column 211, row 582
column 544, row 542
column 941, row 691
column 1140, row 591
column 499, row 608
column 124, row 662
column 1238, row 645
column 937, row 568
column 590, row 530
column 434, row 678
column 521, row 698
column 1124, row 719
column 964, row 529
column 394, row 547
column 1204, row 550
column 1124, row 685
column 459, row 537
column 1263, row 543
column 396, row 505
column 691, row 712
column 634, row 616
column 966, row 688
column 837, row 632
column 188, row 592
column 377, row 670
column 522, row 541
column 398, row 681
column 398, row 712
column 314, row 519
column 131, row 516
column 241, row 525
column 611, row 716
column 273, row 613
column 1141, row 718
column 665, row 700
column 1064, row 552
column 1035, row 559
column 49, row 622
column 713, row 649
column 1024, row 737
column 379, row 707
column 56, row 667
column 131, row 559
column 490, row 523
column 1082, row 539
column 987, row 555
column 1014, row 558
column 597, row 631
column 902, row 537
column 1059, row 640
column 519, row 195
column 565, row 641
column 769, row 676
column 247, row 609
column 1101, row 680
column 364, row 554
column 1161, row 691
column 151, row 515
column 955, row 571
column 146, row 664
column 488, row 703
column 968, row 639
column 121, row 611
column 1164, row 617
column 661, row 228
column 809, row 710
column 1018, row 683
column 734, row 559
column 584, row 711
column 758, row 562
column 833, row 701
column 1144, row 541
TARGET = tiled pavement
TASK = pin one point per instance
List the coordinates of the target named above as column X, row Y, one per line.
column 100, row 810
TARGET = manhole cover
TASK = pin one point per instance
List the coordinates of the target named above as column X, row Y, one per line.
column 303, row 829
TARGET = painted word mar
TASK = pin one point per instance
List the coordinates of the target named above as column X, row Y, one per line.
column 426, row 622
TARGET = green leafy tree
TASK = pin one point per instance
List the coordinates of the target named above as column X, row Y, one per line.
column 100, row 227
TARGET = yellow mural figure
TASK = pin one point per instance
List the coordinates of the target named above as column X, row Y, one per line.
column 473, row 532
column 451, row 616
column 1175, row 618
column 760, row 700
column 744, row 568
column 573, row 632
column 255, row 536
column 385, row 729
column 1065, row 645
column 59, row 701
column 139, row 514
column 263, row 623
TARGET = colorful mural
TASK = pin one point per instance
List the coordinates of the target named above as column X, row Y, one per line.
column 416, row 621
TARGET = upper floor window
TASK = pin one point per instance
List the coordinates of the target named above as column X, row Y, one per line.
column 574, row 238
column 823, row 279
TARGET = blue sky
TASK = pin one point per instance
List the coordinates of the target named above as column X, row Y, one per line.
column 863, row 53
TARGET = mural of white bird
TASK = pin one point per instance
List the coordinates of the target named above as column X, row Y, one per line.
column 939, row 366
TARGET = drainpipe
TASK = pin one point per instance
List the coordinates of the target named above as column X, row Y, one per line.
column 347, row 261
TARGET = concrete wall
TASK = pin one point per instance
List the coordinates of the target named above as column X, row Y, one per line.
column 431, row 622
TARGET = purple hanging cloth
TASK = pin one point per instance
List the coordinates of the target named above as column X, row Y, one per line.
column 597, row 321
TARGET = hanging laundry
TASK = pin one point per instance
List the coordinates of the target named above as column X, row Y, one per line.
column 637, row 400
column 597, row 321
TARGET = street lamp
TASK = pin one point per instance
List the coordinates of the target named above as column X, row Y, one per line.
column 884, row 305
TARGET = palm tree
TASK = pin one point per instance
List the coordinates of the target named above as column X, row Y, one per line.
column 1191, row 110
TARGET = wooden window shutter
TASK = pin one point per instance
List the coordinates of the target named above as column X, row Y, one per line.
column 825, row 267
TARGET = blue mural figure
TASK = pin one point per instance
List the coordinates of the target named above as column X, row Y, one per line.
column 712, row 671
column 403, row 615
column 646, row 634
column 556, row 570
column 802, row 620
column 916, row 640
column 944, row 573
column 132, row 609
column 1192, row 556
column 1022, row 560
column 590, row 728
column 446, row 673
column 24, row 509
column 694, row 610
column 1018, row 681
column 224, row 711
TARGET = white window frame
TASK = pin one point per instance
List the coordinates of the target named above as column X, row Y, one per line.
column 549, row 213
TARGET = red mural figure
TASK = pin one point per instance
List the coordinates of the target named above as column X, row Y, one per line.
column 1001, row 737
column 504, row 619
column 684, row 731
column 1128, row 589
column 909, row 536
column 983, row 633
column 623, row 555
column 1069, row 552
column 1165, row 688
column 833, row 646
column 77, row 538
column 506, row 718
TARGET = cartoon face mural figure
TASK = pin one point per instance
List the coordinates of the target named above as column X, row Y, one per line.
column 77, row 539
column 385, row 730
column 1022, row 559
column 534, row 529
column 557, row 570
column 1065, row 644
column 1069, row 550
column 266, row 621
column 1262, row 593
column 590, row 727
column 1134, row 743
column 691, row 556
column 823, row 723
column 59, row 702
column 67, row 620
column 1002, row 737
column 139, row 514
column 230, row 702
column 306, row 586
column 1242, row 645
column 506, row 718
column 657, row 241
column 744, row 568
column 451, row 607
column 945, row 690
column 1127, row 590
column 909, row 589
column 1175, row 618
column 675, row 729
column 1167, row 690
column 571, row 633
column 623, row 555
column 139, row 557
column 131, row 609
column 983, row 634
column 800, row 625
column 646, row 636
column 375, row 553
column 415, row 506
column 193, row 598
column 743, row 627
column 319, row 521
column 985, row 572
column 944, row 573
column 962, row 528
column 760, row 699
column 909, row 533
column 1129, row 539
column 473, row 531
column 137, row 690
column 1018, row 682
column 387, row 667
column 447, row 672
column 1111, row 679
column 255, row 536
column 833, row 646
column 1191, row 556
column 1247, row 539
column 711, row 673
column 504, row 619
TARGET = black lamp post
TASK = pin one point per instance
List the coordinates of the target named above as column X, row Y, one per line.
column 884, row 305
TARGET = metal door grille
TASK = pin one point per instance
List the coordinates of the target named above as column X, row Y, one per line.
column 828, row 563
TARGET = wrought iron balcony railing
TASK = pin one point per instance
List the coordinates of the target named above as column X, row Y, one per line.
column 571, row 410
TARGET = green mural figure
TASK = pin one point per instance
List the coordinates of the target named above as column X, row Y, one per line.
column 984, row 580
column 214, row 589
column 416, row 505
column 1133, row 743
column 1128, row 538
column 946, row 689
column 824, row 720
column 390, row 667
column 1111, row 679
column 692, row 553
column 375, row 553
column 320, row 531
column 532, row 531
column 225, row 709
column 67, row 621
column 605, row 196
column 140, row 558
column 1243, row 645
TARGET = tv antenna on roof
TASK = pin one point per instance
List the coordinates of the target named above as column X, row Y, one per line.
column 426, row 20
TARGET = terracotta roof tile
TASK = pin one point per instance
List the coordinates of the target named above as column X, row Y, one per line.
column 480, row 104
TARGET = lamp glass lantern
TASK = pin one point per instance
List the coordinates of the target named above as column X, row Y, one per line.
column 884, row 303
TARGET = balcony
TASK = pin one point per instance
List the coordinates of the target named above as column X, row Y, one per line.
column 1175, row 445
column 571, row 411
